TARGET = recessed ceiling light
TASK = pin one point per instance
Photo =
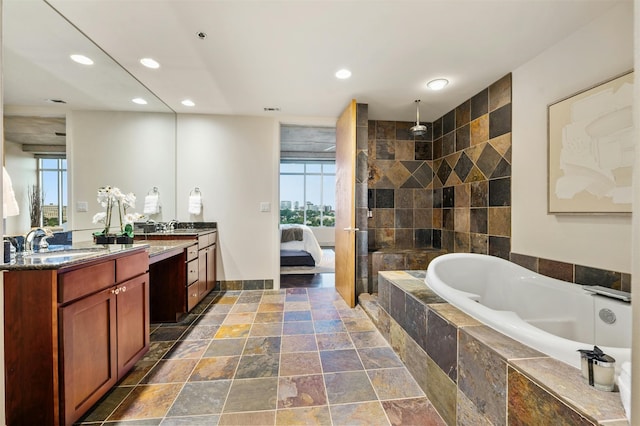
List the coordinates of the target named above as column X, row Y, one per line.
column 343, row 73
column 437, row 84
column 150, row 63
column 188, row 102
column 81, row 59
column 139, row 101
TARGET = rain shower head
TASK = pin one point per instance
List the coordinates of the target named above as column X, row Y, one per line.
column 418, row 129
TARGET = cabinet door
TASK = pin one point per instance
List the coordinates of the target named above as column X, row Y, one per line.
column 88, row 352
column 192, row 295
column 133, row 321
column 202, row 274
column 211, row 268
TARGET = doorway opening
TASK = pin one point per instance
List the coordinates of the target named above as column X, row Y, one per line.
column 307, row 206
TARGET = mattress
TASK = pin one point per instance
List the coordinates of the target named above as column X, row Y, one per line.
column 308, row 244
column 296, row 258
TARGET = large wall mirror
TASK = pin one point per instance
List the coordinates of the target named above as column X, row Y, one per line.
column 70, row 128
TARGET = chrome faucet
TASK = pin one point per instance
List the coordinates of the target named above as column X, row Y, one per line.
column 36, row 239
column 172, row 224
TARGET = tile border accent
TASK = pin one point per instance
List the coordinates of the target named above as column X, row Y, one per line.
column 224, row 285
column 573, row 273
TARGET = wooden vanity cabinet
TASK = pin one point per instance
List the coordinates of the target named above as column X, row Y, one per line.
column 200, row 277
column 193, row 274
column 71, row 334
column 211, row 267
column 207, row 263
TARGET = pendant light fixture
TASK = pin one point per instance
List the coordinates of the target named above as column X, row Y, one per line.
column 418, row 129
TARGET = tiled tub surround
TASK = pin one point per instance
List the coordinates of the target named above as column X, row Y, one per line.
column 474, row 375
column 552, row 316
column 579, row 274
column 400, row 260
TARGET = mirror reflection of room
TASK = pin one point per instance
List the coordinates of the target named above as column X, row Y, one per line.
column 80, row 102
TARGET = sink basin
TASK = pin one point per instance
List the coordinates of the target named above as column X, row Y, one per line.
column 61, row 255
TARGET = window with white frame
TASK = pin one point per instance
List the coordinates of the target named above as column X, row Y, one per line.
column 307, row 192
column 52, row 181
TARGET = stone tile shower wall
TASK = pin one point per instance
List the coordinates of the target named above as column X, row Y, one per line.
column 472, row 174
column 400, row 181
column 450, row 188
column 362, row 258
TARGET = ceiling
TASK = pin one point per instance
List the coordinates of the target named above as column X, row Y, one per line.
column 283, row 54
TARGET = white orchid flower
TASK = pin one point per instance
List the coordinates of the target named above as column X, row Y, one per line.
column 117, row 194
column 129, row 218
column 129, row 200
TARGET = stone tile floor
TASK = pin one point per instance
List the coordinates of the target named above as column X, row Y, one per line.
column 268, row 357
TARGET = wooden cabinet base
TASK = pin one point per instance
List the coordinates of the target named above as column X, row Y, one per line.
column 88, row 352
column 65, row 349
column 167, row 295
column 180, row 282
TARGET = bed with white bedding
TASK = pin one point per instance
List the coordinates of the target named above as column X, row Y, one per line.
column 298, row 246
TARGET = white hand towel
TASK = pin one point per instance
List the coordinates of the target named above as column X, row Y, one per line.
column 9, row 203
column 195, row 203
column 151, row 204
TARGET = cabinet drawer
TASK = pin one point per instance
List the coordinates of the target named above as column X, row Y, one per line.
column 203, row 241
column 86, row 280
column 192, row 271
column 131, row 266
column 193, row 295
column 192, row 252
column 213, row 238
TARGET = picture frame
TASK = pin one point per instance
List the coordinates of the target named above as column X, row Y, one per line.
column 591, row 149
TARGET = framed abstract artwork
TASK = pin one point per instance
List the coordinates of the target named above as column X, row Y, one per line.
column 591, row 149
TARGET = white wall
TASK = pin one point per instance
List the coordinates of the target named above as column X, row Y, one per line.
column 235, row 162
column 635, row 266
column 21, row 167
column 599, row 51
column 129, row 150
column 326, row 236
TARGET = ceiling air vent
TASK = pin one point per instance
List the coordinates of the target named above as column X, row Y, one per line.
column 271, row 109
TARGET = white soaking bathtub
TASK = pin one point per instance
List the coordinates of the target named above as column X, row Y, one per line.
column 555, row 317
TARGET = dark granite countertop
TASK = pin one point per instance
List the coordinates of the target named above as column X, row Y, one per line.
column 160, row 247
column 61, row 256
column 180, row 231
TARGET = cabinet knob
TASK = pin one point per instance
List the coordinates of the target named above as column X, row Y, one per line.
column 123, row 288
column 115, row 291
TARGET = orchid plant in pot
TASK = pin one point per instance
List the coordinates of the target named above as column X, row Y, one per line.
column 111, row 198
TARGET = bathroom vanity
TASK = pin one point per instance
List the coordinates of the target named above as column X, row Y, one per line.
column 76, row 322
column 180, row 278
